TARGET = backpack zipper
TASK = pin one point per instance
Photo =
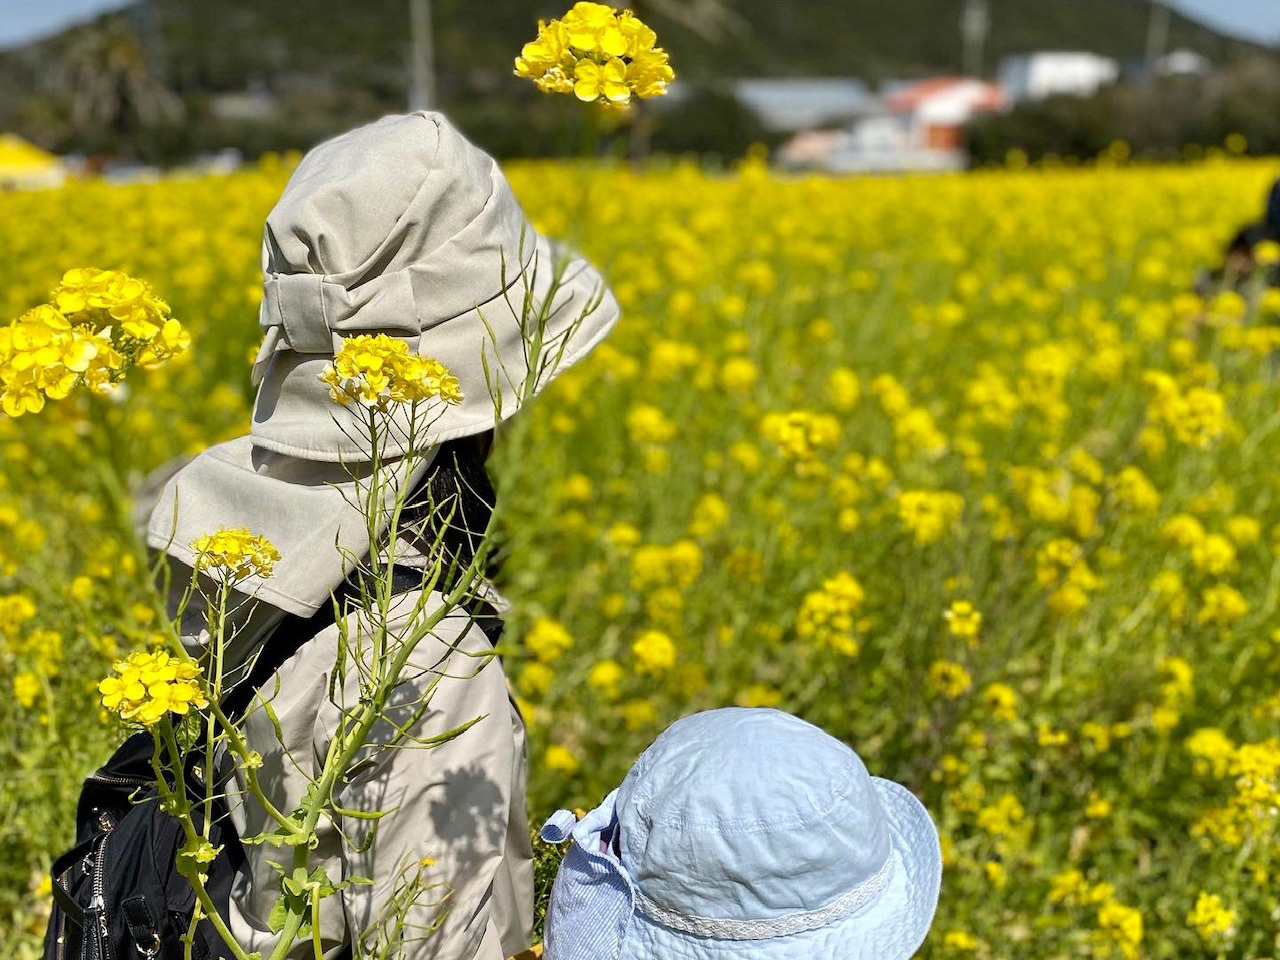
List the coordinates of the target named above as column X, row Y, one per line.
column 99, row 777
column 96, row 914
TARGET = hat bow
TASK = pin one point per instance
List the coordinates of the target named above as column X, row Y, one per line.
column 310, row 313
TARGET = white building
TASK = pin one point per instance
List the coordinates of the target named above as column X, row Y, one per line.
column 791, row 104
column 919, row 126
column 1183, row 63
column 1036, row 76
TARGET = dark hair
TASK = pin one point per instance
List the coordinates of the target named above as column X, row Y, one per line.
column 450, row 509
column 1273, row 209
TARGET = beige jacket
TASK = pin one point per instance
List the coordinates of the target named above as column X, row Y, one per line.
column 459, row 808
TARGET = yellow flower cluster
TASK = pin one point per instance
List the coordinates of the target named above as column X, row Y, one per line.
column 1212, row 750
column 1122, row 927
column 827, row 615
column 1196, row 416
column 1062, row 567
column 1176, row 691
column 1071, row 889
column 235, row 554
column 379, row 371
column 1210, row 917
column 676, row 565
column 949, row 680
column 914, row 427
column 929, row 515
column 596, row 53
column 99, row 324
column 16, row 609
column 655, row 652
column 1249, row 818
column 800, row 434
column 964, row 621
column 147, row 686
column 548, row 640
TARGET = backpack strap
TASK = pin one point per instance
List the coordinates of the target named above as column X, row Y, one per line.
column 70, row 860
column 294, row 631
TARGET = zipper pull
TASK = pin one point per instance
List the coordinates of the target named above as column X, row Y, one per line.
column 95, row 929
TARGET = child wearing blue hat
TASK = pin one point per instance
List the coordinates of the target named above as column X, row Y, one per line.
column 745, row 834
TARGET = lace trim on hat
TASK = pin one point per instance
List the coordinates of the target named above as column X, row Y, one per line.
column 786, row 925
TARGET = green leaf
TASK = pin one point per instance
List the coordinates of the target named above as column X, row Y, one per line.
column 279, row 914
column 354, row 882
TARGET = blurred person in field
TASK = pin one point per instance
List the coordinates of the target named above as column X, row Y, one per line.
column 402, row 228
column 1252, row 256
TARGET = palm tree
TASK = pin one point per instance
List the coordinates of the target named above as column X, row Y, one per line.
column 110, row 87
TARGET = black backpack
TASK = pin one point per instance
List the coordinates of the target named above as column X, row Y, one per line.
column 117, row 893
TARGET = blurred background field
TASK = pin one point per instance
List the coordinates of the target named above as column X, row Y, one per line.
column 956, row 468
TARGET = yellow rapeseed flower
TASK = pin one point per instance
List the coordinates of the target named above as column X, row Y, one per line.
column 235, row 553
column 949, row 680
column 379, row 372
column 655, row 653
column 148, row 686
column 1210, row 917
column 99, row 324
column 561, row 760
column 827, row 615
column 964, row 621
column 605, row 677
column 929, row 515
column 1001, row 700
column 26, row 687
column 800, row 435
column 547, row 639
column 1121, row 926
column 596, row 53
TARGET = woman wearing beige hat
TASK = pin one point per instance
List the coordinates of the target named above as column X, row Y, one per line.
column 402, row 228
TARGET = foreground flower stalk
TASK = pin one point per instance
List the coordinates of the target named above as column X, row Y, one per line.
column 396, row 394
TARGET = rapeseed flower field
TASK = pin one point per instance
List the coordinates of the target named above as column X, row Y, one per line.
column 957, row 468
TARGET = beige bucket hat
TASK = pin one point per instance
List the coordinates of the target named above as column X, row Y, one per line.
column 403, row 227
column 400, row 227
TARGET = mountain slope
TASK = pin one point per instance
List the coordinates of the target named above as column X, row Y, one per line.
column 351, row 58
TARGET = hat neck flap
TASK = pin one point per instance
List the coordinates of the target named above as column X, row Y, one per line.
column 311, row 512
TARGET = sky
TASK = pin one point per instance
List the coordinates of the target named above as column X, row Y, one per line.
column 23, row 20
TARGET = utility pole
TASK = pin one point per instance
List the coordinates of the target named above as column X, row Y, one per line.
column 1157, row 35
column 975, row 24
column 422, row 68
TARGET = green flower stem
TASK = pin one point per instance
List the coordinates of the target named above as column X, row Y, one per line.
column 215, row 696
column 236, row 743
column 181, row 809
column 221, row 727
column 189, row 938
column 316, row 942
column 352, row 737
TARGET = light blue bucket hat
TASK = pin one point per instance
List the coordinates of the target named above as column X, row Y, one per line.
column 745, row 834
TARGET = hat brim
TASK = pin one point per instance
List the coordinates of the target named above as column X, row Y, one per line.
column 558, row 301
column 890, row 927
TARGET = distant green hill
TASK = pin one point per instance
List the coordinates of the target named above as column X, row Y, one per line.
column 333, row 62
